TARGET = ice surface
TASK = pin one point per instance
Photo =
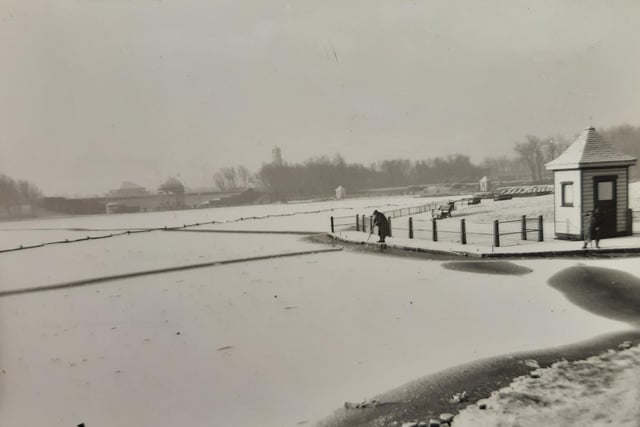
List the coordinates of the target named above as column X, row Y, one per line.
column 271, row 343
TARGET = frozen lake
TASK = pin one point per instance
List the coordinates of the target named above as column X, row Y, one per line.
column 274, row 342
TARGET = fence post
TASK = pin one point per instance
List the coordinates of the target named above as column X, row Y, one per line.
column 389, row 221
column 524, row 227
column 463, row 231
column 411, row 227
column 357, row 222
column 371, row 224
column 434, row 230
column 332, row 224
column 540, row 229
column 496, row 234
column 363, row 224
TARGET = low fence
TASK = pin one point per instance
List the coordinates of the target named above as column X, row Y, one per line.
column 498, row 233
column 364, row 222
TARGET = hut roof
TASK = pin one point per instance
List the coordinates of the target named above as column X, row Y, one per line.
column 590, row 149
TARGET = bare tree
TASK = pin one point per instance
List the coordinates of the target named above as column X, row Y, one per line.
column 231, row 177
column 29, row 193
column 220, row 181
column 244, row 176
column 553, row 147
column 13, row 194
column 531, row 152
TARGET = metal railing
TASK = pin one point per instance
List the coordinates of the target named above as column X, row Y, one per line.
column 498, row 233
column 364, row 222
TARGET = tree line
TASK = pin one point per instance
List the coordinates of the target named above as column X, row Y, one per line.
column 320, row 176
column 627, row 139
column 16, row 193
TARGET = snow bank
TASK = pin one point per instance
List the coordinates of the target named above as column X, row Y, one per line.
column 602, row 390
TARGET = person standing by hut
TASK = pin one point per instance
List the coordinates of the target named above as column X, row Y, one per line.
column 592, row 232
column 382, row 223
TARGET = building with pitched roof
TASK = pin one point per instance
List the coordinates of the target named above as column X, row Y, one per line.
column 591, row 173
column 172, row 192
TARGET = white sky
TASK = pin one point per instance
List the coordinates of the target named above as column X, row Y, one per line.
column 95, row 92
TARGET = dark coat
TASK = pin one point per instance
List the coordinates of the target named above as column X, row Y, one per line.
column 595, row 219
column 382, row 223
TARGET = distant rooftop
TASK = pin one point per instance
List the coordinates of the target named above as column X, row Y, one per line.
column 128, row 185
column 172, row 184
column 590, row 149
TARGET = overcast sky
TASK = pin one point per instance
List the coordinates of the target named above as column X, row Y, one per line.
column 96, row 92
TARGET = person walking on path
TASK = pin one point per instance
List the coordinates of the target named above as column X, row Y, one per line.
column 382, row 223
column 593, row 230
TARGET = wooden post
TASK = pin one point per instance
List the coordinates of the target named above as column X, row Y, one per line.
column 332, row 229
column 496, row 234
column 371, row 224
column 411, row 227
column 389, row 221
column 463, row 232
column 434, row 230
column 357, row 222
column 540, row 229
column 524, row 228
column 363, row 224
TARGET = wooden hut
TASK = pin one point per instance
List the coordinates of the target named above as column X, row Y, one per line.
column 591, row 173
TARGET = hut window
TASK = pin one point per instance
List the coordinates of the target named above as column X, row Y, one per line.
column 567, row 193
column 605, row 190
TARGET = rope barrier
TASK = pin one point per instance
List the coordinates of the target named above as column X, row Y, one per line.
column 145, row 230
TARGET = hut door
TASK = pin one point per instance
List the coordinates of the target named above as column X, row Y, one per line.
column 604, row 191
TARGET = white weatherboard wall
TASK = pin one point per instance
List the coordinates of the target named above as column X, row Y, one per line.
column 622, row 203
column 568, row 219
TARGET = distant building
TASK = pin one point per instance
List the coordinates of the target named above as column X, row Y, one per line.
column 82, row 206
column 591, row 174
column 485, row 184
column 276, row 155
column 115, row 207
column 128, row 189
column 341, row 192
column 172, row 193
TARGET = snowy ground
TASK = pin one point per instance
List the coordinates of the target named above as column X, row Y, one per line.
column 479, row 228
column 274, row 342
column 602, row 390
